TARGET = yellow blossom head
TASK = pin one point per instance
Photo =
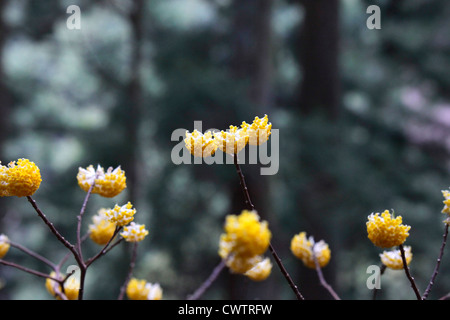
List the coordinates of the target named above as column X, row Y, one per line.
column 259, row 131
column 233, row 140
column 71, row 286
column 134, row 232
column 244, row 235
column 102, row 230
column 260, row 271
column 446, row 194
column 385, row 231
column 107, row 184
column 200, row 145
column 142, row 290
column 19, row 179
column 393, row 259
column 121, row 215
column 302, row 247
column 4, row 245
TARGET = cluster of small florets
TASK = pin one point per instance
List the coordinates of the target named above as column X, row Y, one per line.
column 107, row 221
column 243, row 244
column 107, row 184
column 19, row 179
column 143, row 290
column 307, row 250
column 386, row 231
column 231, row 141
column 70, row 288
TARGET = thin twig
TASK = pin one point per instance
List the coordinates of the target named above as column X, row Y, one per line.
column 438, row 263
column 207, row 283
column 130, row 271
column 104, row 250
column 408, row 274
column 33, row 254
column 80, row 217
column 322, row 280
column 446, row 297
column 17, row 266
column 285, row 273
column 66, row 243
column 249, row 203
column 375, row 291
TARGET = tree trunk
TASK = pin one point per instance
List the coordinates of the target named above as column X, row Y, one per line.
column 134, row 94
column 253, row 62
column 317, row 50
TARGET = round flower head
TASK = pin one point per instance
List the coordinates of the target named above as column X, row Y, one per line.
column 71, row 287
column 303, row 247
column 393, row 259
column 102, row 230
column 4, row 192
column 259, row 131
column 4, row 245
column 107, row 184
column 142, row 290
column 233, row 140
column 244, row 235
column 21, row 179
column 260, row 271
column 134, row 232
column 386, row 232
column 200, row 145
column 121, row 215
column 241, row 263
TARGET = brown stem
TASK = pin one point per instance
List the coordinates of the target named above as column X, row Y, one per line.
column 408, row 275
column 375, row 291
column 322, row 280
column 130, row 271
column 17, row 266
column 33, row 254
column 271, row 248
column 438, row 263
column 52, row 227
column 104, row 250
column 80, row 217
column 248, row 201
column 208, row 282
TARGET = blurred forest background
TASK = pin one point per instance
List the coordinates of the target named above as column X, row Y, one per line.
column 363, row 117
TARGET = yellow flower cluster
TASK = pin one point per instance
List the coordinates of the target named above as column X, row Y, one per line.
column 200, row 145
column 393, row 259
column 303, row 248
column 107, row 184
column 231, row 141
column 4, row 245
column 143, row 290
column 134, row 232
column 385, row 231
column 121, row 215
column 71, row 286
column 259, row 131
column 102, row 229
column 245, row 239
column 19, row 179
column 446, row 209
